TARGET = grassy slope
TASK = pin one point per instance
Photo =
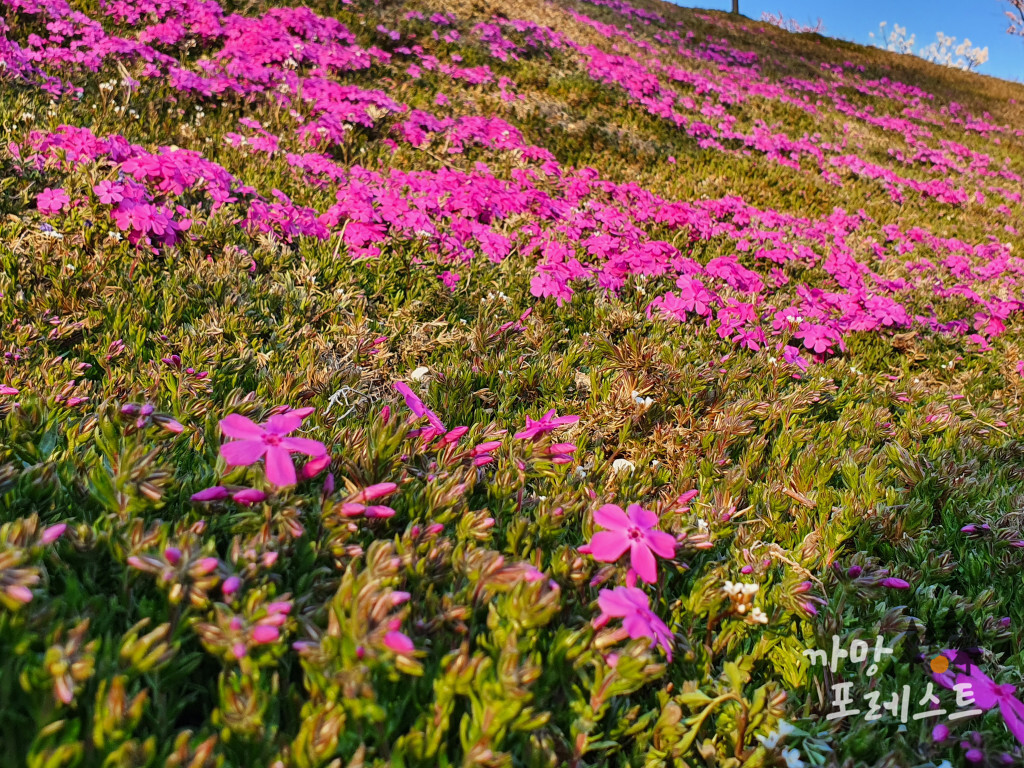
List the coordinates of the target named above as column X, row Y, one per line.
column 838, row 467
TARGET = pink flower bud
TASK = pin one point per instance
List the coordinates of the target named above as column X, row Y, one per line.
column 803, row 586
column 249, row 496
column 434, row 528
column 397, row 598
column 281, row 606
column 216, row 493
column 269, row 558
column 230, row 585
column 398, row 642
column 329, row 484
column 940, row 732
column 377, row 491
column 314, row 467
column 385, row 414
column 379, row 511
column 747, row 569
column 53, row 533
column 171, row 425
column 264, row 634
column 20, row 593
column 894, row 583
column 172, row 555
column 238, row 650
column 273, row 620
column 854, row 571
column 136, row 562
column 207, row 565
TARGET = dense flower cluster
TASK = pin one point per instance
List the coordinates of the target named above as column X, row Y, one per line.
column 619, row 355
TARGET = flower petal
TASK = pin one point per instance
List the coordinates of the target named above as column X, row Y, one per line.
column 663, row 544
column 398, row 642
column 241, row 453
column 612, row 517
column 303, row 445
column 641, row 517
column 238, row 426
column 283, row 423
column 643, row 562
column 280, row 470
column 1012, row 711
column 614, row 603
column 608, row 546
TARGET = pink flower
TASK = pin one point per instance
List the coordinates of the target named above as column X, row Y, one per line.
column 53, row 533
column 894, row 583
column 230, row 585
column 632, row 606
column 52, row 200
column 416, row 405
column 254, row 441
column 398, row 642
column 547, row 423
column 633, row 530
column 987, row 693
column 216, row 493
column 264, row 634
column 5, row 390
column 249, row 496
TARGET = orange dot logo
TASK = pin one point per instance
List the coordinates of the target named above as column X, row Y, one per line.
column 939, row 664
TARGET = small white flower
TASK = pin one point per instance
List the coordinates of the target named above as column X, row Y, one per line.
column 771, row 741
column 792, row 758
column 419, row 373
column 581, row 472
column 623, row 465
column 785, row 728
column 758, row 616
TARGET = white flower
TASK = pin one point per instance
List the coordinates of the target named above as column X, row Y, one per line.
column 792, row 758
column 785, row 728
column 758, row 616
column 771, row 741
column 419, row 373
column 623, row 465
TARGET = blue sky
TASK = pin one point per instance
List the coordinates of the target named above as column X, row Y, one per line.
column 980, row 20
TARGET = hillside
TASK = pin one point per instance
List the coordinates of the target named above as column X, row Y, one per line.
column 515, row 383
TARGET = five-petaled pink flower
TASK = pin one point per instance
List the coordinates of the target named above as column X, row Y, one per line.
column 634, row 530
column 632, row 606
column 986, row 692
column 52, row 200
column 546, row 423
column 255, row 441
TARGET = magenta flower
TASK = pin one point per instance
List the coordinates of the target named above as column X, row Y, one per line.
column 894, row 583
column 416, row 405
column 398, row 642
column 255, row 441
column 52, row 200
column 632, row 606
column 546, row 423
column 634, row 530
column 987, row 693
